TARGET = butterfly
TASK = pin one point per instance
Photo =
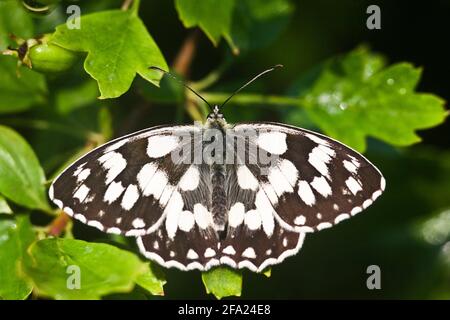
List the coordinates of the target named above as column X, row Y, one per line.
column 203, row 195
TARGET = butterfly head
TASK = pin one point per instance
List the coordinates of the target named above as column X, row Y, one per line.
column 215, row 116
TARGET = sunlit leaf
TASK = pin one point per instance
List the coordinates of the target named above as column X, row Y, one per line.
column 356, row 96
column 21, row 176
column 102, row 269
column 118, row 46
column 4, row 207
column 15, row 237
column 213, row 17
column 223, row 282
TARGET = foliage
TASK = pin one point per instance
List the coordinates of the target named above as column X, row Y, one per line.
column 51, row 114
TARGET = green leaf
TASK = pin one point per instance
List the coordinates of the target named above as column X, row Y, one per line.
column 256, row 23
column 152, row 280
column 212, row 16
column 118, row 47
column 20, row 87
column 21, row 176
column 15, row 237
column 223, row 282
column 14, row 20
column 103, row 269
column 356, row 96
column 4, row 206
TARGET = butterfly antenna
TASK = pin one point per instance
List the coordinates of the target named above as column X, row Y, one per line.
column 181, row 82
column 250, row 81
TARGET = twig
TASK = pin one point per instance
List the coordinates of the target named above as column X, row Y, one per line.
column 59, row 224
column 126, row 4
column 183, row 60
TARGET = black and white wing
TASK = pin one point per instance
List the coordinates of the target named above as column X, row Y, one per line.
column 314, row 181
column 126, row 186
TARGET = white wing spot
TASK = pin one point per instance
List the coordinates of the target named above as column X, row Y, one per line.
column 156, row 185
column 130, row 197
column 324, row 225
column 350, row 166
column 249, row 253
column 383, row 184
column 192, row 254
column 236, row 215
column 80, row 217
column 229, row 250
column 289, row 171
column 355, row 210
column 155, row 245
column 114, row 230
column 300, row 220
column 353, row 185
column 246, row 179
column 113, row 192
column 305, row 193
column 265, row 209
column 95, row 224
column 81, row 193
column 273, row 142
column 172, row 254
column 186, row 221
column 285, row 242
column 321, row 185
column 319, row 216
column 319, row 160
column 252, row 219
column 116, row 145
column 209, row 253
column 138, row 223
column 159, row 146
column 145, row 175
column 190, row 179
column 202, row 216
column 376, row 194
column 317, row 139
column 341, row 217
column 114, row 163
column 367, row 203
column 279, row 182
column 172, row 211
column 118, row 220
column 83, row 175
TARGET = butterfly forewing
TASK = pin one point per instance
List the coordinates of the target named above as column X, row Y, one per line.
column 316, row 182
column 123, row 186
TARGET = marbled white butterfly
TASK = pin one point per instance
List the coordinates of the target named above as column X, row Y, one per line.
column 198, row 196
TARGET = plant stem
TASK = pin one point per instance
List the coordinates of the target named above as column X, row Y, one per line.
column 59, row 224
column 183, row 60
column 126, row 4
column 252, row 98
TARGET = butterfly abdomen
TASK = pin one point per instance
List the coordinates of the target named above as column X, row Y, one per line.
column 218, row 197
